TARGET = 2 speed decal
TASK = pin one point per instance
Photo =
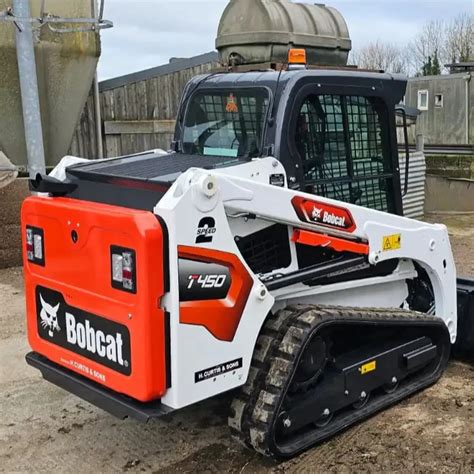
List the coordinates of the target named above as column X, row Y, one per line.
column 206, row 230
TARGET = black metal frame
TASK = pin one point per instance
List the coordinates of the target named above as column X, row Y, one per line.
column 403, row 111
column 112, row 402
column 464, row 347
column 314, row 272
column 344, row 382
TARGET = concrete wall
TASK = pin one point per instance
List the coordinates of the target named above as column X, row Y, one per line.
column 449, row 195
column 451, row 166
column 444, row 125
column 11, row 198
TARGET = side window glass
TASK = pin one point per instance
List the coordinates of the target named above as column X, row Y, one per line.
column 343, row 149
column 310, row 136
column 226, row 123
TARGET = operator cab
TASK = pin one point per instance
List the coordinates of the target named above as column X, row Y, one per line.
column 333, row 130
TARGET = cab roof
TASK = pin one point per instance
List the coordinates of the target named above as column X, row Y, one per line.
column 391, row 87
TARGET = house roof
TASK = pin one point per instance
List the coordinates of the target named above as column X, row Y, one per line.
column 173, row 66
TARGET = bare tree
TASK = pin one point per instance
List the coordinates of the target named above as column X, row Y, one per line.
column 430, row 42
column 380, row 55
column 436, row 44
column 460, row 39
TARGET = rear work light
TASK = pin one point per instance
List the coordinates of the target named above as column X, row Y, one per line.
column 35, row 245
column 124, row 271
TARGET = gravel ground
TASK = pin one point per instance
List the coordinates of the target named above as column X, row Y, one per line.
column 42, row 428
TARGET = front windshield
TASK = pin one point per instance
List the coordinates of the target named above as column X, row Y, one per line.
column 226, row 123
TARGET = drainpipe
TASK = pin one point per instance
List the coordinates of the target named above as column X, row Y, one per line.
column 420, row 143
column 96, row 92
column 467, row 78
column 25, row 51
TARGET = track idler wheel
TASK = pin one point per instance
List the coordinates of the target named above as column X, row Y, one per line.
column 311, row 366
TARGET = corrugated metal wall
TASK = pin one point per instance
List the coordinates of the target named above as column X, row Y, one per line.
column 414, row 201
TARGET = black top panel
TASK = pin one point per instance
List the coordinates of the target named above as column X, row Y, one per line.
column 137, row 181
column 148, row 166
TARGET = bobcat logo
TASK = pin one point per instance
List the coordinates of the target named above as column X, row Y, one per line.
column 316, row 213
column 49, row 317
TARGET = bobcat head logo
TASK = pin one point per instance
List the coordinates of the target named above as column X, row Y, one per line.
column 49, row 317
column 316, row 214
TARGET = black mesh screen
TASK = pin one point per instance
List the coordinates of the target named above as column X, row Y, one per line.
column 344, row 150
column 266, row 250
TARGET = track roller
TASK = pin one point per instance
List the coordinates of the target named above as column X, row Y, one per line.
column 319, row 370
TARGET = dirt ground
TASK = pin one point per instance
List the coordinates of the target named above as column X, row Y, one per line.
column 42, row 428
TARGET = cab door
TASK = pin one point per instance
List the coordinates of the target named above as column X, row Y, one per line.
column 342, row 146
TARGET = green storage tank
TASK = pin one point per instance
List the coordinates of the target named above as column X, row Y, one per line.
column 65, row 64
column 261, row 31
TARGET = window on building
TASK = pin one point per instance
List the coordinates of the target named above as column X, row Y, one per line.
column 439, row 101
column 423, row 97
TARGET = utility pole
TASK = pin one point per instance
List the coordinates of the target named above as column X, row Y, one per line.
column 29, row 88
column 98, row 115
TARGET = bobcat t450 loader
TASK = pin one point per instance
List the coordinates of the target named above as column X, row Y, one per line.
column 268, row 254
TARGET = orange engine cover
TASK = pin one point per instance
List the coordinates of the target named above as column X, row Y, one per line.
column 76, row 317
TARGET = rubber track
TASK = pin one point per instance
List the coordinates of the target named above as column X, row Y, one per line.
column 275, row 358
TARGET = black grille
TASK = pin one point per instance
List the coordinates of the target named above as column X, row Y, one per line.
column 154, row 167
column 345, row 150
column 266, row 250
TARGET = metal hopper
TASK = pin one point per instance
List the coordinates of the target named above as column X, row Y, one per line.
column 67, row 48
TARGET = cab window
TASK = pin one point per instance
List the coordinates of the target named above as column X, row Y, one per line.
column 226, row 123
column 344, row 150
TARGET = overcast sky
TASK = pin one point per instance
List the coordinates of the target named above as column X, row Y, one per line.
column 148, row 33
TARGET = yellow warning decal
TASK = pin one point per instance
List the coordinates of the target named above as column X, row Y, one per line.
column 367, row 368
column 392, row 242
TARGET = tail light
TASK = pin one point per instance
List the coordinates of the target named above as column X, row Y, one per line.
column 124, row 271
column 35, row 245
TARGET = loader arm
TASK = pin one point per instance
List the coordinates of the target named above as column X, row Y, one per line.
column 244, row 191
column 240, row 196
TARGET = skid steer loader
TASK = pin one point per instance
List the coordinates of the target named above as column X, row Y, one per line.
column 267, row 254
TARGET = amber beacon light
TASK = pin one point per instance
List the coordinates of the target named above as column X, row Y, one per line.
column 297, row 56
